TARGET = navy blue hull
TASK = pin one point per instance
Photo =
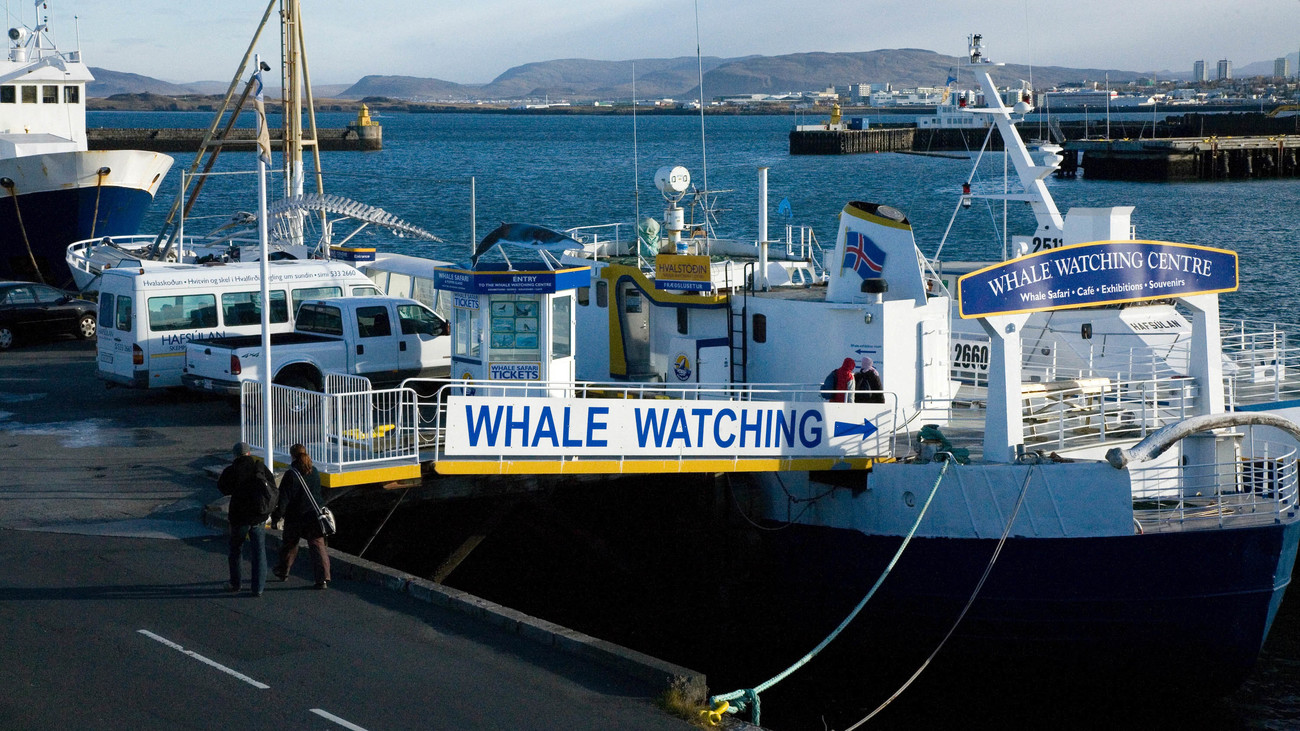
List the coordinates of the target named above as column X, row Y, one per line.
column 54, row 219
column 1191, row 607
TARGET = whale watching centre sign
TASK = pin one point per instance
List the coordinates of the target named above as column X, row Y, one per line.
column 1099, row 273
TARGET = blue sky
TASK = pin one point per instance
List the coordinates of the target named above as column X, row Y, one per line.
column 472, row 41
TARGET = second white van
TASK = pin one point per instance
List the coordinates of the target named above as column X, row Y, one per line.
column 146, row 317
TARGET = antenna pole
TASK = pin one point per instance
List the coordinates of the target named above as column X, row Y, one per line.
column 704, row 157
column 636, row 177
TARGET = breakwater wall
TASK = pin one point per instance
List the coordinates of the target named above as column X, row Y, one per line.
column 1188, row 158
column 909, row 137
column 352, row 137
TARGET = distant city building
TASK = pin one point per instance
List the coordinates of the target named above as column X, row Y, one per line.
column 1225, row 70
column 1281, row 67
column 855, row 93
column 1198, row 72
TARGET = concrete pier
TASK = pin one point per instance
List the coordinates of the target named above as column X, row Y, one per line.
column 114, row 594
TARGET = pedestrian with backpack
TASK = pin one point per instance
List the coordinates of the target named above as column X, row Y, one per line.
column 253, row 496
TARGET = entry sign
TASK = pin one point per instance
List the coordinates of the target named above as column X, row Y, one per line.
column 1099, row 273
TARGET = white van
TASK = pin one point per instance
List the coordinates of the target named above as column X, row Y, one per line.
column 147, row 316
column 400, row 275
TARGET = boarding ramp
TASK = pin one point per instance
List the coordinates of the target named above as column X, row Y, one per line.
column 354, row 434
column 359, row 435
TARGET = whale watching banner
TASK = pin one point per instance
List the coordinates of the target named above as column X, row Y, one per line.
column 663, row 428
column 1098, row 273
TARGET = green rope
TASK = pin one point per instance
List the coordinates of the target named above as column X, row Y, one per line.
column 751, row 694
column 930, row 432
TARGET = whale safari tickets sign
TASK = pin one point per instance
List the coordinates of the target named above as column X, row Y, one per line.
column 1098, row 273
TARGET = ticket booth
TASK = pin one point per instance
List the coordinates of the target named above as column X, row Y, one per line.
column 510, row 324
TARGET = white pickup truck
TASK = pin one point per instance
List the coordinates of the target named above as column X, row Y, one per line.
column 386, row 339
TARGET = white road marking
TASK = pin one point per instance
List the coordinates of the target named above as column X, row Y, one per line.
column 342, row 722
column 204, row 660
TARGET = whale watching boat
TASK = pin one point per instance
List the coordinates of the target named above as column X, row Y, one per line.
column 1071, row 461
column 55, row 190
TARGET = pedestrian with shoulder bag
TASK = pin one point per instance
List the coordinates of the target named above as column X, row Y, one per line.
column 300, row 507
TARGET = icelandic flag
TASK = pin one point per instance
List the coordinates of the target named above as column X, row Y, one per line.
column 862, row 255
column 951, row 78
column 784, row 209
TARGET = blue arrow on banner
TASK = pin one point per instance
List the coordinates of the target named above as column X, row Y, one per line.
column 848, row 428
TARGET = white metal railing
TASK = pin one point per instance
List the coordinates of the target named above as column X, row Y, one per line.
column 341, row 431
column 1072, row 413
column 336, row 382
column 1257, row 487
column 1261, row 361
column 589, row 237
column 806, row 247
column 1045, row 361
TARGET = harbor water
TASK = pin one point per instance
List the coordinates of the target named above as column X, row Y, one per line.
column 672, row 600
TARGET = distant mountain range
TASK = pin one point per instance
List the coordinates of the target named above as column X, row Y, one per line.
column 585, row 80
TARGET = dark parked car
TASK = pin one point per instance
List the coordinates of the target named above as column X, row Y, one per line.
column 30, row 310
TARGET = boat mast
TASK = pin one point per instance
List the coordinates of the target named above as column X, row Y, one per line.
column 211, row 134
column 295, row 82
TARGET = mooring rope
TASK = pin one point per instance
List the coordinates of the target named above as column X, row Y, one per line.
column 8, row 185
column 384, row 522
column 751, row 694
column 1024, row 490
column 99, row 185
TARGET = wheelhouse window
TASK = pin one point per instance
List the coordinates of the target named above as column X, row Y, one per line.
column 49, row 95
column 602, row 294
column 72, row 95
column 760, row 328
column 29, row 95
column 8, row 95
column 682, row 320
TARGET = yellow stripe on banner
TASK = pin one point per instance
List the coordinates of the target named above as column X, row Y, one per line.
column 646, row 466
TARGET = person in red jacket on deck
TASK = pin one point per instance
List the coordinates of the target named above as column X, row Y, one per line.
column 844, row 383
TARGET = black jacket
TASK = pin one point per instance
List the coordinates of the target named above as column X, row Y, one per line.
column 239, row 481
column 294, row 506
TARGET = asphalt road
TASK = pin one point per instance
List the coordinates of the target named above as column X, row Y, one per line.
column 113, row 613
